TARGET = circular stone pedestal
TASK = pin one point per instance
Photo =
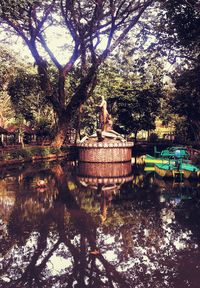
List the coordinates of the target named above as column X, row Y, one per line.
column 112, row 148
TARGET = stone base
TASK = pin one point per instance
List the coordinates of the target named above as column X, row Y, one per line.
column 105, row 151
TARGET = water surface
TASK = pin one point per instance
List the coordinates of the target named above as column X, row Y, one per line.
column 129, row 229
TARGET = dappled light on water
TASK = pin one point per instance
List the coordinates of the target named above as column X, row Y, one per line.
column 61, row 227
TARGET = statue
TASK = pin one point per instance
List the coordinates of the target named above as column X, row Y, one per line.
column 106, row 124
column 104, row 117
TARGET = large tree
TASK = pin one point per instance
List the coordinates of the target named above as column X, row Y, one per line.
column 181, row 31
column 186, row 102
column 85, row 25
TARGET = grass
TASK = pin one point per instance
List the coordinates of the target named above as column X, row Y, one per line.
column 29, row 152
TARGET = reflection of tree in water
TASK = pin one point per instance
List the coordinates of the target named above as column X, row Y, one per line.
column 141, row 224
column 31, row 215
column 183, row 205
column 36, row 216
column 151, row 234
column 86, row 267
column 180, row 215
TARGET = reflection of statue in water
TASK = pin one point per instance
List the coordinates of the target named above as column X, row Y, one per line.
column 104, row 117
column 106, row 198
column 106, row 192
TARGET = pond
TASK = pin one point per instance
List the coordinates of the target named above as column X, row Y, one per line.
column 64, row 224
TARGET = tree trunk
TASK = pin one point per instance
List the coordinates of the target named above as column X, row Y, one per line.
column 65, row 114
column 135, row 136
column 63, row 129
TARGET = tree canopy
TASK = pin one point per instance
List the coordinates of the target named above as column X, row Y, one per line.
column 181, row 30
column 186, row 102
column 136, row 110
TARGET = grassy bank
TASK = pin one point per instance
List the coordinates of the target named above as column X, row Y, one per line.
column 29, row 154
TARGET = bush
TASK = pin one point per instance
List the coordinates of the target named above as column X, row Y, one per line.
column 38, row 151
column 29, row 152
column 18, row 154
column 53, row 150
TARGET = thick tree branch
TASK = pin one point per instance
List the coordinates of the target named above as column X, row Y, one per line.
column 68, row 23
column 81, row 93
column 72, row 60
column 16, row 27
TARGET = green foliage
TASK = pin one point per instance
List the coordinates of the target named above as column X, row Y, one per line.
column 19, row 10
column 184, row 21
column 26, row 95
column 30, row 152
column 20, row 95
column 88, row 117
column 44, row 127
column 6, row 109
column 53, row 150
column 40, row 151
column 182, row 131
column 179, row 30
column 19, row 154
column 186, row 102
column 135, row 110
column 9, row 64
column 133, row 97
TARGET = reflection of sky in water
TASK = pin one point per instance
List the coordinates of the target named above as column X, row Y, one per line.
column 57, row 264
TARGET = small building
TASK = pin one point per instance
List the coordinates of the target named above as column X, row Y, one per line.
column 164, row 131
column 20, row 133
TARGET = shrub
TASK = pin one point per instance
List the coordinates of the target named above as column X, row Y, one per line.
column 29, row 152
column 18, row 154
column 38, row 151
column 53, row 150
